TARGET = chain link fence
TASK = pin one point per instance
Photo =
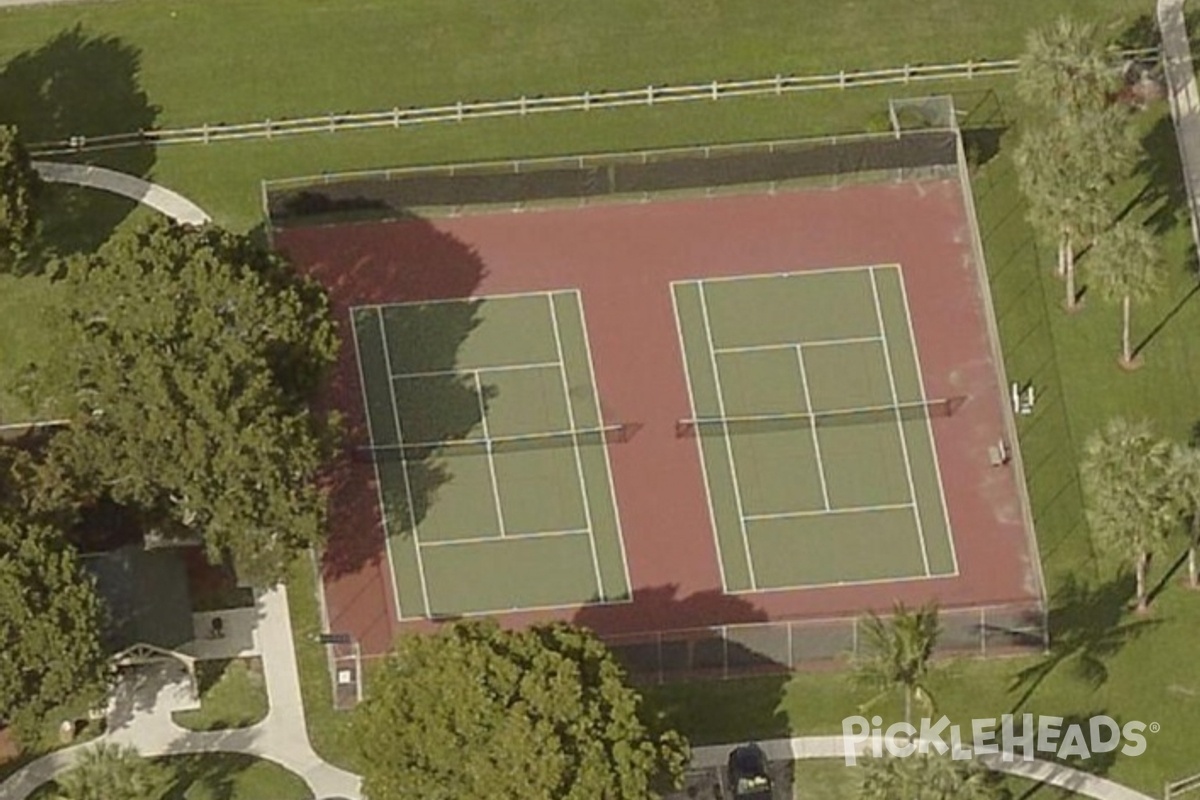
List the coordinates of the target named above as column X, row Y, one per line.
column 729, row 651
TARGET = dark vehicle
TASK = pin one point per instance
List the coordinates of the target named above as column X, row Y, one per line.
column 748, row 778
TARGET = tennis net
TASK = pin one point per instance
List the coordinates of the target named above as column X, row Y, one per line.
column 768, row 423
column 415, row 451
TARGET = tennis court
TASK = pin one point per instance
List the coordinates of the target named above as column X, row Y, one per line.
column 813, row 429
column 490, row 455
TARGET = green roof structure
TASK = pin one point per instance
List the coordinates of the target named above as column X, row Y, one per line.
column 146, row 592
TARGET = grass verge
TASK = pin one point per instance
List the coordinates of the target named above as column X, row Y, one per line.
column 233, row 694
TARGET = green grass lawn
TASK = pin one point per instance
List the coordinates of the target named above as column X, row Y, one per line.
column 222, row 776
column 233, row 694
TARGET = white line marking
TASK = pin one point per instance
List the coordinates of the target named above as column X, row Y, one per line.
column 492, row 612
column 387, row 359
column 816, row 440
column 511, row 537
column 491, row 456
column 387, row 536
column 441, row 300
column 712, row 514
column 822, row 512
column 792, row 274
column 612, row 489
column 793, row 587
column 753, row 348
column 439, row 373
column 737, row 490
column 937, row 467
column 887, row 358
column 584, row 496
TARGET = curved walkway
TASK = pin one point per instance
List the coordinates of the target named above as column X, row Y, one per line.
column 1082, row 783
column 161, row 199
column 281, row 737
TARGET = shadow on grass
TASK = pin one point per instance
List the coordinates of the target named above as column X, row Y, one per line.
column 683, row 673
column 1166, row 319
column 1163, row 198
column 1089, row 624
column 79, row 84
column 231, row 776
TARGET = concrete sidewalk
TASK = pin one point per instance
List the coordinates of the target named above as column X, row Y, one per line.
column 160, row 198
column 145, row 723
column 803, row 747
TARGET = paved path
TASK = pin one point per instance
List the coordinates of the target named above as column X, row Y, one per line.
column 1076, row 781
column 174, row 205
column 282, row 737
column 1185, row 99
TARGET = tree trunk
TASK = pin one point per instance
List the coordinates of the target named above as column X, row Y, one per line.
column 1126, row 349
column 908, row 704
column 1070, row 274
column 1143, row 602
column 1064, row 245
column 1192, row 579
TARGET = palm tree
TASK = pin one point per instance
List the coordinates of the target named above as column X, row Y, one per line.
column 1064, row 69
column 1127, row 263
column 927, row 777
column 1066, row 170
column 107, row 771
column 898, row 654
column 1126, row 484
column 1185, row 485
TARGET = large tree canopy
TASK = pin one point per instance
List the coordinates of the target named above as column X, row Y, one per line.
column 191, row 357
column 476, row 712
column 928, row 777
column 50, row 624
column 19, row 189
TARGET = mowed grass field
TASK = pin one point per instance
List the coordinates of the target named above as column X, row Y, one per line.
column 250, row 60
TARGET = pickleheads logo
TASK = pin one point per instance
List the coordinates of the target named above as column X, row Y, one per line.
column 1005, row 736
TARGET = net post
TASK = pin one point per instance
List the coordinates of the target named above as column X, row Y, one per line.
column 983, row 631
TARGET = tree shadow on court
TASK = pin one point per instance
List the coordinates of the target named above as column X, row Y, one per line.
column 80, row 84
column 1089, row 624
column 682, row 666
column 381, row 264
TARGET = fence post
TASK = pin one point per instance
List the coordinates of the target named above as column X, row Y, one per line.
column 459, row 110
column 983, row 631
column 522, row 105
column 970, row 69
column 650, row 95
column 907, row 71
column 206, row 133
column 268, row 125
column 724, row 651
column 395, row 117
column 778, row 84
column 842, row 79
column 854, row 636
column 658, row 640
column 332, row 123
column 714, row 90
column 587, row 101
column 791, row 648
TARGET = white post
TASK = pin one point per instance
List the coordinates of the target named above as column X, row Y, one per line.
column 778, row 84
column 459, row 107
column 714, row 90
column 650, row 95
column 395, row 117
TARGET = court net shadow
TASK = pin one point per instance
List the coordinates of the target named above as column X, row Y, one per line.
column 377, row 265
column 1089, row 624
column 79, row 84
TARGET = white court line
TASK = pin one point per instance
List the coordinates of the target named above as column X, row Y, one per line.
column 937, row 467
column 712, row 514
column 612, row 489
column 387, row 359
column 816, row 440
column 387, row 536
column 912, row 488
column 491, row 456
column 444, row 300
column 439, row 373
column 794, row 587
column 737, row 488
column 492, row 612
column 824, row 512
column 511, row 537
column 792, row 274
column 584, row 497
column 753, row 348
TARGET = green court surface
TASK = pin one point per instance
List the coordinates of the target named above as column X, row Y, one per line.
column 490, row 455
column 813, row 429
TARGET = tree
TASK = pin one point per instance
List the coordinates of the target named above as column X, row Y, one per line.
column 50, row 624
column 20, row 188
column 1126, row 483
column 106, row 771
column 474, row 711
column 1127, row 264
column 899, row 654
column 928, row 777
column 192, row 358
column 1066, row 170
column 1185, row 488
column 1064, row 69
